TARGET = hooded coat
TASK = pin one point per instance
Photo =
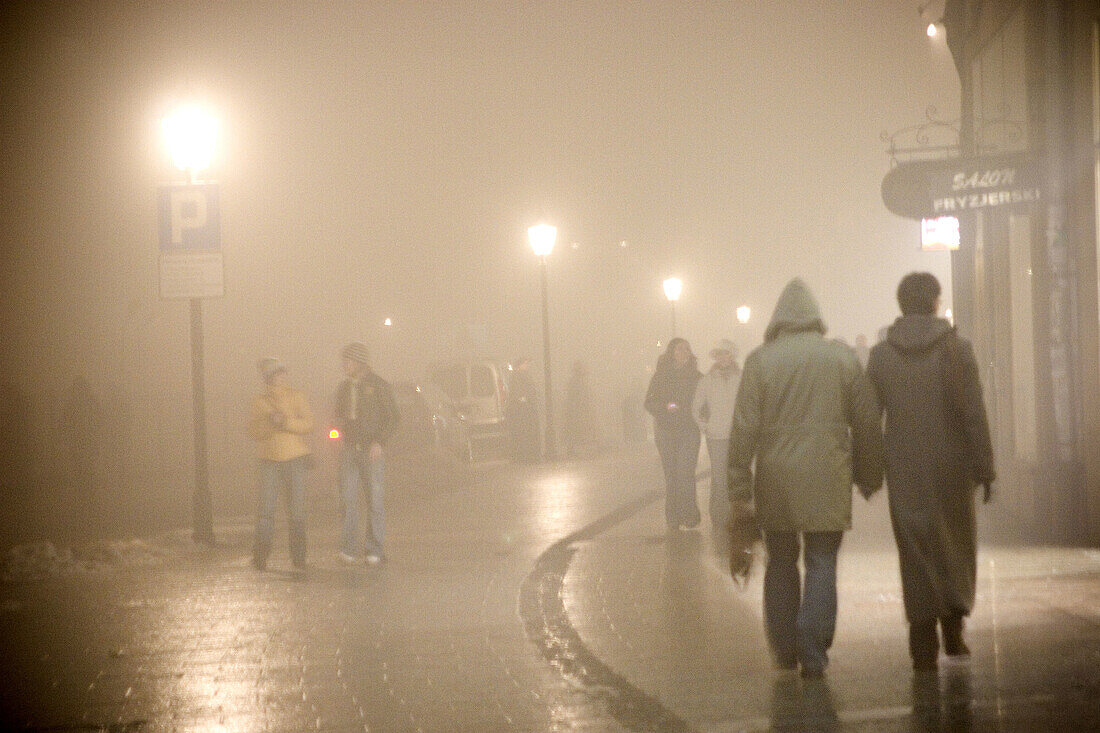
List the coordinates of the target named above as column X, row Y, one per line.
column 936, row 453
column 807, row 415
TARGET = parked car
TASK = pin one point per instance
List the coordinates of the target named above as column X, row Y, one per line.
column 430, row 421
column 479, row 390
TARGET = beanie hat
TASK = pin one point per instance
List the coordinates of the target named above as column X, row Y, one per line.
column 269, row 366
column 356, row 352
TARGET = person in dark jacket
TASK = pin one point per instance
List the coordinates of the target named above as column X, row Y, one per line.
column 668, row 399
column 937, row 451
column 805, row 428
column 366, row 416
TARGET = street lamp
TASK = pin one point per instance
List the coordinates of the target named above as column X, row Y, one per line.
column 541, row 237
column 673, row 287
column 190, row 134
column 743, row 313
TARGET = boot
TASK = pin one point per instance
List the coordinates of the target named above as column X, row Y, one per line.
column 924, row 645
column 953, row 644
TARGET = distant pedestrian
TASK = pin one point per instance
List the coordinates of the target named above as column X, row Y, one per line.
column 713, row 411
column 521, row 414
column 668, row 399
column 83, row 436
column 366, row 417
column 863, row 352
column 579, row 432
column 278, row 420
column 805, row 428
column 937, row 451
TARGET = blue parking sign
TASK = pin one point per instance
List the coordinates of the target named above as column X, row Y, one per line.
column 188, row 217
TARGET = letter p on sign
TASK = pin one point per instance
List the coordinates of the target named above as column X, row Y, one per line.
column 188, row 217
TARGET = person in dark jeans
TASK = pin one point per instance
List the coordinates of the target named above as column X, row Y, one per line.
column 668, row 399
column 805, row 428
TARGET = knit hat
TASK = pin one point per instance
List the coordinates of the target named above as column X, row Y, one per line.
column 269, row 366
column 724, row 345
column 356, row 352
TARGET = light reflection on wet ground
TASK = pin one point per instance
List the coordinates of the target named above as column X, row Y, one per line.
column 533, row 598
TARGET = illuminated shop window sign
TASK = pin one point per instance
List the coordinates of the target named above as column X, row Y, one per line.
column 939, row 234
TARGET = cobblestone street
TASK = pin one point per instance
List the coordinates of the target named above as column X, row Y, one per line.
column 530, row 598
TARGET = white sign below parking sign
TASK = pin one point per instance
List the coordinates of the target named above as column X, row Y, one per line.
column 189, row 224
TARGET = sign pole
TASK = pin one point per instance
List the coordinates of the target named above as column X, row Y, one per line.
column 201, row 499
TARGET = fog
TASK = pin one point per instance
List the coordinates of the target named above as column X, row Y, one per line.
column 384, row 160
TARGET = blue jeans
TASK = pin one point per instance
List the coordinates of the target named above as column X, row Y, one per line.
column 719, row 451
column 288, row 478
column 355, row 469
column 800, row 621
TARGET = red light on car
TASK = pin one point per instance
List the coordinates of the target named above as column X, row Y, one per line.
column 334, row 434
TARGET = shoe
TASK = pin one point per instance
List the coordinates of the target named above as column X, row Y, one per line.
column 375, row 558
column 259, row 563
column 953, row 644
column 924, row 645
column 347, row 559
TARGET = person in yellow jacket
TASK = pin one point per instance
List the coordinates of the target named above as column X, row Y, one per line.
column 278, row 419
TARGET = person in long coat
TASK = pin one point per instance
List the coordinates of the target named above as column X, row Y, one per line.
column 806, row 420
column 937, row 451
column 668, row 400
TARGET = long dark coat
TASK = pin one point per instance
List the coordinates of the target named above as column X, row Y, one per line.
column 936, row 453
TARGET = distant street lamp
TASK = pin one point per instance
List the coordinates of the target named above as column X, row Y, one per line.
column 190, row 135
column 673, row 287
column 743, row 313
column 542, row 238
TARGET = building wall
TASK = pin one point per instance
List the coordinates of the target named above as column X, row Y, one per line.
column 1026, row 285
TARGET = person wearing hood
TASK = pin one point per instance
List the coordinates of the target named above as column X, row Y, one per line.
column 713, row 412
column 805, row 428
column 938, row 450
column 277, row 421
column 668, row 400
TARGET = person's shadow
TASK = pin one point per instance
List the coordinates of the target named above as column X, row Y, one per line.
column 948, row 709
column 804, row 706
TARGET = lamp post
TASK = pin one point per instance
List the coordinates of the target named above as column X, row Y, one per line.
column 190, row 134
column 541, row 237
column 673, row 287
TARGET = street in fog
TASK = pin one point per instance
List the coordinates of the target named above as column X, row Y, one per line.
column 532, row 598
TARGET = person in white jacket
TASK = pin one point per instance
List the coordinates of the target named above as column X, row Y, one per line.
column 713, row 411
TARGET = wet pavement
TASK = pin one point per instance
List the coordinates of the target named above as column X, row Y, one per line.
column 530, row 598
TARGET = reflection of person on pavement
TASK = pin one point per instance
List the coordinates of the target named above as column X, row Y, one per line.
column 806, row 706
column 521, row 413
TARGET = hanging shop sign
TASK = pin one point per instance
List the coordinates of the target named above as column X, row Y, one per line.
column 929, row 189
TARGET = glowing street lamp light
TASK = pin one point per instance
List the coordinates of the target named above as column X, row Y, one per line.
column 673, row 287
column 191, row 134
column 542, row 237
column 743, row 313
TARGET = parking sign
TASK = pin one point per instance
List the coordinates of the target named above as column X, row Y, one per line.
column 189, row 223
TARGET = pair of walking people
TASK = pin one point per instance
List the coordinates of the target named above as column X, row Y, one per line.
column 686, row 405
column 280, row 420
column 808, row 423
